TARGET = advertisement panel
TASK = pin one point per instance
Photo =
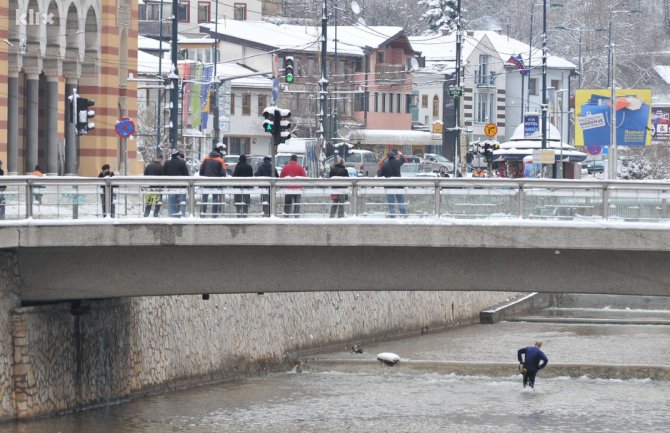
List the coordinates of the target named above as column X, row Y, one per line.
column 633, row 117
column 660, row 125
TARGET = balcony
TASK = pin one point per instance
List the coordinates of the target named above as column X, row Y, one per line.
column 386, row 73
column 485, row 80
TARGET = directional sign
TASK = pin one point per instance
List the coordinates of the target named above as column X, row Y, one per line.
column 124, row 127
column 455, row 91
column 491, row 130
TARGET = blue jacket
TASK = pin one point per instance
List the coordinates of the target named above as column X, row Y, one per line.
column 533, row 358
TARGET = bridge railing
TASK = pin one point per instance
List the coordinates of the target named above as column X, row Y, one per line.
column 119, row 198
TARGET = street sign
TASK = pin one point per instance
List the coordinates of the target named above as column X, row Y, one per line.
column 544, row 156
column 275, row 90
column 124, row 127
column 531, row 125
column 455, row 91
column 491, row 130
column 593, row 150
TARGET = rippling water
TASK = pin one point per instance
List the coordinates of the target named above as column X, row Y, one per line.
column 386, row 399
column 334, row 402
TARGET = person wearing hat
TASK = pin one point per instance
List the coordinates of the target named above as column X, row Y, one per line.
column 265, row 170
column 106, row 171
column 292, row 201
column 533, row 361
column 391, row 168
column 212, row 166
column 176, row 166
column 242, row 201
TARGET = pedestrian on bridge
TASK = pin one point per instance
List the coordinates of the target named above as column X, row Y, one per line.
column 391, row 168
column 265, row 170
column 106, row 171
column 533, row 361
column 176, row 166
column 153, row 198
column 338, row 170
column 292, row 201
column 242, row 201
column 212, row 166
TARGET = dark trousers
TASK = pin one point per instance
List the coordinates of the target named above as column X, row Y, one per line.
column 292, row 205
column 152, row 200
column 242, row 202
column 338, row 205
column 216, row 206
column 529, row 378
column 103, row 199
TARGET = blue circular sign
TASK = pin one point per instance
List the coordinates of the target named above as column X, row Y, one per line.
column 124, row 127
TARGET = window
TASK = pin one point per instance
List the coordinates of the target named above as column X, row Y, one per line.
column 436, row 106
column 262, row 103
column 246, row 104
column 424, row 101
column 359, row 101
column 408, row 102
column 397, row 100
column 184, row 11
column 232, row 103
column 376, row 102
column 485, row 107
column 383, row 102
column 380, row 57
column 358, row 65
column 532, row 86
column 203, row 12
column 483, row 70
column 390, row 102
column 240, row 12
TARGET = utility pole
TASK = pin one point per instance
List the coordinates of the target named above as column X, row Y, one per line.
column 159, row 106
column 174, row 78
column 457, row 97
column 323, row 92
column 545, row 107
column 215, row 88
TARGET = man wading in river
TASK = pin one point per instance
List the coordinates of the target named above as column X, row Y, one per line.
column 530, row 365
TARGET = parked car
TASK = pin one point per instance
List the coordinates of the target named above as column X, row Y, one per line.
column 439, row 161
column 231, row 162
column 595, row 167
column 363, row 161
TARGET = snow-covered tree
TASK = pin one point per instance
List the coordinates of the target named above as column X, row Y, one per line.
column 440, row 13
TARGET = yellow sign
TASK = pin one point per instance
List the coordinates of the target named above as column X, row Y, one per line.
column 491, row 130
column 437, row 128
column 544, row 156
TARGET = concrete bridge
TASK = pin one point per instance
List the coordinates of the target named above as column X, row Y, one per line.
column 108, row 258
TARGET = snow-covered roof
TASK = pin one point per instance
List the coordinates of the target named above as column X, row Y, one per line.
column 352, row 40
column 147, row 64
column 664, row 72
column 224, row 70
column 440, row 51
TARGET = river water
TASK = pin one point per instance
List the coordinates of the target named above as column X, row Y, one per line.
column 381, row 399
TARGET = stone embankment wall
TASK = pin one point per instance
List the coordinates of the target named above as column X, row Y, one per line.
column 60, row 357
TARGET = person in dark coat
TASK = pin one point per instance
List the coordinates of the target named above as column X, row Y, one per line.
column 153, row 198
column 265, row 170
column 242, row 201
column 212, row 166
column 338, row 170
column 176, row 166
column 106, row 171
column 533, row 361
column 391, row 168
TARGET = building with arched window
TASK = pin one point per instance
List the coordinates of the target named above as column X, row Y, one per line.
column 52, row 49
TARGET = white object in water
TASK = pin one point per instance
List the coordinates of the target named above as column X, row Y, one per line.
column 388, row 358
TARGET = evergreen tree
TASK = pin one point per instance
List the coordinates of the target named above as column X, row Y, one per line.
column 440, row 13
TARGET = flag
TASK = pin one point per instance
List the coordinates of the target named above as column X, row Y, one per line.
column 518, row 62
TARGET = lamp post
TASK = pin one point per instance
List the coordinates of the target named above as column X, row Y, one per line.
column 545, row 107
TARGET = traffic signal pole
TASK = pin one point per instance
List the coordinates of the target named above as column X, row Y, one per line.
column 174, row 78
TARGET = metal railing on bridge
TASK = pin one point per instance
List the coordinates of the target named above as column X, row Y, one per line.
column 77, row 198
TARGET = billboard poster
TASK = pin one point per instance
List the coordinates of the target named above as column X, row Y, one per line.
column 593, row 112
column 660, row 125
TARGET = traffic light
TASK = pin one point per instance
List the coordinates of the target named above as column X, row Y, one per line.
column 288, row 70
column 282, row 125
column 488, row 152
column 84, row 114
column 268, row 123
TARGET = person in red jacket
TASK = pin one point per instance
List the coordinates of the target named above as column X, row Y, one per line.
column 292, row 201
